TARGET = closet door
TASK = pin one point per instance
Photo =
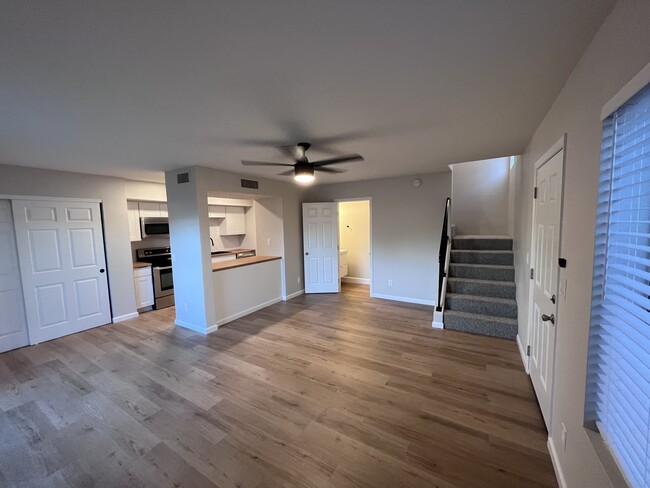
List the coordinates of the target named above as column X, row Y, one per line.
column 13, row 327
column 62, row 265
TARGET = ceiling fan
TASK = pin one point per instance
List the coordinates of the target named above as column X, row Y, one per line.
column 303, row 169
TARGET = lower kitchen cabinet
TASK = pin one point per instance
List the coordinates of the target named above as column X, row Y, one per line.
column 142, row 281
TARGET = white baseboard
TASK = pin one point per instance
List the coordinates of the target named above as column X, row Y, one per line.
column 237, row 315
column 556, row 463
column 403, row 299
column 437, row 322
column 522, row 351
column 194, row 327
column 356, row 281
column 293, row 295
column 128, row 316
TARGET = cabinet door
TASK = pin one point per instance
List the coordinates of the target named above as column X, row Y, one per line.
column 149, row 209
column 143, row 291
column 216, row 211
column 234, row 223
column 133, row 211
column 163, row 210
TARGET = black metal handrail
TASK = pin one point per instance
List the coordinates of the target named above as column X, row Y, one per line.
column 442, row 257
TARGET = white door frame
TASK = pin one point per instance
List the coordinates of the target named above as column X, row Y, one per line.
column 372, row 254
column 552, row 151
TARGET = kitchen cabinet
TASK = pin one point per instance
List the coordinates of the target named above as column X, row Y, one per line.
column 152, row 209
column 133, row 211
column 142, row 281
column 216, row 211
column 234, row 222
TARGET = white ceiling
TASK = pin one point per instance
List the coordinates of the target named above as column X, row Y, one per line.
column 133, row 88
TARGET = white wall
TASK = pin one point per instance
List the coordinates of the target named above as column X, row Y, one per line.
column 354, row 235
column 479, row 197
column 620, row 49
column 145, row 191
column 189, row 227
column 16, row 180
column 406, row 225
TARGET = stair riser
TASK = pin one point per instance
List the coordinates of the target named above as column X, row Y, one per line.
column 496, row 290
column 477, row 326
column 501, row 258
column 479, row 273
column 482, row 307
column 482, row 244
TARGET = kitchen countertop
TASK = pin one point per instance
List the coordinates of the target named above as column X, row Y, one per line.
column 232, row 251
column 236, row 263
column 140, row 264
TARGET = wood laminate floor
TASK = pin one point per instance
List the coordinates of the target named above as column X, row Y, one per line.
column 323, row 390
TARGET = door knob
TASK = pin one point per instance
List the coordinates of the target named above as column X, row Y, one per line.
column 101, row 270
column 553, row 299
column 549, row 318
column 306, row 254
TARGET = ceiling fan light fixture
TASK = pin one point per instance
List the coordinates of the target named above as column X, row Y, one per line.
column 303, row 173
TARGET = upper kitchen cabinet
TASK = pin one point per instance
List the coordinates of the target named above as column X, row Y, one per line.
column 216, row 211
column 134, row 220
column 152, row 209
column 234, row 222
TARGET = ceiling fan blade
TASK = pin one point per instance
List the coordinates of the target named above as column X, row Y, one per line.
column 330, row 170
column 263, row 163
column 348, row 158
column 287, row 173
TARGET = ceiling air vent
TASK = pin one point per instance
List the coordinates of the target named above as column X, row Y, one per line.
column 182, row 178
column 250, row 184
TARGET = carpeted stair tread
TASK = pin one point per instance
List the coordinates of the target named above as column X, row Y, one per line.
column 497, row 307
column 478, row 256
column 480, row 287
column 482, row 242
column 505, row 328
column 482, row 271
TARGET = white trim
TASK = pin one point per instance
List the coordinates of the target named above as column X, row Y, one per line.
column 555, row 460
column 403, row 299
column 195, row 328
column 524, row 357
column 628, row 91
column 52, row 199
column 128, row 316
column 357, row 281
column 293, row 295
column 237, row 315
column 437, row 322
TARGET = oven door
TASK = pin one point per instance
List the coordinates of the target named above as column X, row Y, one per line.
column 163, row 281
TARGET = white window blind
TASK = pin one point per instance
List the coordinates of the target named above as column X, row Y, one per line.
column 618, row 378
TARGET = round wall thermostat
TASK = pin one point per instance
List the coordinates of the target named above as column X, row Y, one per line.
column 417, row 182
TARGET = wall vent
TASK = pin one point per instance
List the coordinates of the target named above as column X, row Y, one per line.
column 250, row 184
column 182, row 178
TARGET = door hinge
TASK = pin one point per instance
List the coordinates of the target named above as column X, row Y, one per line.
column 535, row 192
column 532, row 273
column 527, row 350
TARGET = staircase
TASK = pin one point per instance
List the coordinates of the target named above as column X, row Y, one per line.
column 480, row 287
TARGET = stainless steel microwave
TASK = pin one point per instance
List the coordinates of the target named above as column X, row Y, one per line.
column 154, row 226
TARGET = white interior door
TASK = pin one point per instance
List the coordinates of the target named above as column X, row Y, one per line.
column 62, row 263
column 13, row 327
column 546, row 239
column 320, row 233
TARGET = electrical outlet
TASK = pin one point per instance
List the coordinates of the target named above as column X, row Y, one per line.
column 268, row 242
column 185, row 307
column 298, row 279
column 390, row 282
column 563, row 437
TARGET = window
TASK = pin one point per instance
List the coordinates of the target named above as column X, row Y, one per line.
column 618, row 377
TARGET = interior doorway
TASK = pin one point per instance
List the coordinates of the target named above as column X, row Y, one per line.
column 355, row 241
